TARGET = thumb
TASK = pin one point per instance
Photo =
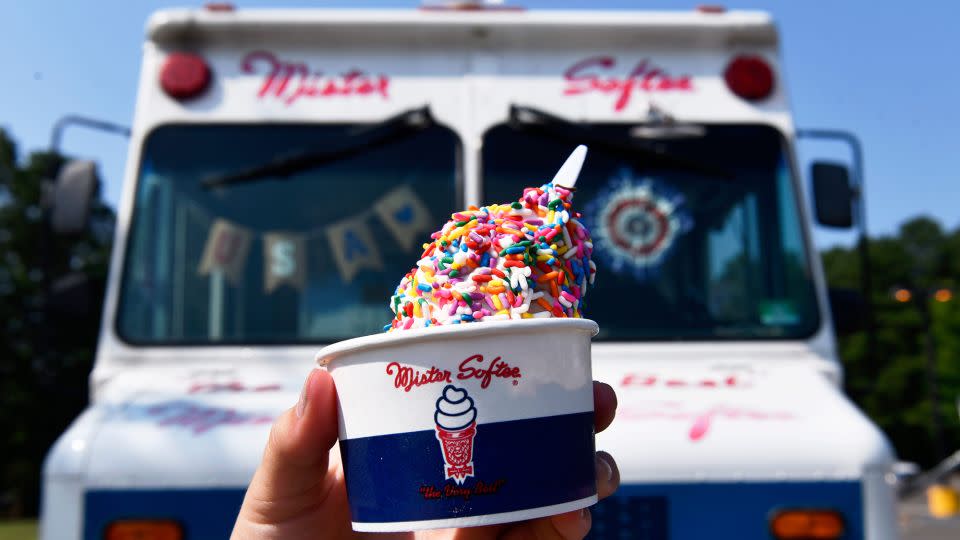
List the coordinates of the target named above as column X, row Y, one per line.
column 293, row 479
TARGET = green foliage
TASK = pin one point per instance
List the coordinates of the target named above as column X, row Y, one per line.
column 893, row 387
column 18, row 530
column 45, row 358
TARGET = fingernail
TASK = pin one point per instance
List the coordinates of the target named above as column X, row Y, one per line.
column 604, row 470
column 302, row 402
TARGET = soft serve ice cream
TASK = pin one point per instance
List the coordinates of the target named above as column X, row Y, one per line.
column 462, row 425
column 526, row 259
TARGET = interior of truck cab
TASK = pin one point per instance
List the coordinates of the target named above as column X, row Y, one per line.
column 287, row 233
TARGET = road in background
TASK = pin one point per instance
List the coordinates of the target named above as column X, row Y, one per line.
column 917, row 524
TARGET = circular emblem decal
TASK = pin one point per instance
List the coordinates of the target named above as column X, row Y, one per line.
column 635, row 222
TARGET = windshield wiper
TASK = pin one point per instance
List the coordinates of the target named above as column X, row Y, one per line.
column 355, row 143
column 548, row 125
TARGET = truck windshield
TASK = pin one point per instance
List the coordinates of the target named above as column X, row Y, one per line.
column 681, row 254
column 309, row 256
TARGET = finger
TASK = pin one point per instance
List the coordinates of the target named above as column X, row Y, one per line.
column 292, row 476
column 608, row 475
column 572, row 525
column 604, row 405
column 567, row 526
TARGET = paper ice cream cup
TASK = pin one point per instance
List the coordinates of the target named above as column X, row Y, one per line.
column 466, row 425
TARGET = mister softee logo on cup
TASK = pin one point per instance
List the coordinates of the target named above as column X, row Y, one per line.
column 455, row 413
column 474, row 367
column 456, row 423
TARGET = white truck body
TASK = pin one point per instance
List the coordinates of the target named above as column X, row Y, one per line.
column 712, row 435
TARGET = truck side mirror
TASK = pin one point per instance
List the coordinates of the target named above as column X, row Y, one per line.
column 72, row 296
column 848, row 310
column 832, row 195
column 73, row 193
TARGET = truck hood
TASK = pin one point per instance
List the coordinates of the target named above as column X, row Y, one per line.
column 733, row 420
column 679, row 418
column 197, row 426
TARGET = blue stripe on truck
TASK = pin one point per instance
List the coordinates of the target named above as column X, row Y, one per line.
column 203, row 513
column 719, row 511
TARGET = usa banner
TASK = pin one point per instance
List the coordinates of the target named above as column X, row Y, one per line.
column 226, row 250
column 284, row 256
column 353, row 247
column 405, row 215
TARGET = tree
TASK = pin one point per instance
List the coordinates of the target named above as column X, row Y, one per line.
column 45, row 357
column 892, row 388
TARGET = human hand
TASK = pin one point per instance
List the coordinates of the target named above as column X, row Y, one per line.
column 299, row 492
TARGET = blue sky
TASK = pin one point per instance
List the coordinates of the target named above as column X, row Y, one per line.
column 887, row 71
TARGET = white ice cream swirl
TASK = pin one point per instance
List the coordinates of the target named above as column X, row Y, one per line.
column 455, row 409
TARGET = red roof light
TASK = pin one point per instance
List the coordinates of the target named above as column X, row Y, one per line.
column 711, row 8
column 184, row 76
column 469, row 5
column 749, row 77
column 219, row 6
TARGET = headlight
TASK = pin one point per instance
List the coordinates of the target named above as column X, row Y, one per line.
column 806, row 524
column 144, row 529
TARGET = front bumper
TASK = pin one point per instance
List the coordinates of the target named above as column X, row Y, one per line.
column 681, row 511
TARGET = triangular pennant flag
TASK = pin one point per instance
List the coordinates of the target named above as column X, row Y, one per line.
column 353, row 247
column 284, row 256
column 226, row 250
column 405, row 215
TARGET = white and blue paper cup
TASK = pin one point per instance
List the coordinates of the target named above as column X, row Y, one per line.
column 466, row 425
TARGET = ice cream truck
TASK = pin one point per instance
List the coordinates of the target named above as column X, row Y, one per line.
column 286, row 166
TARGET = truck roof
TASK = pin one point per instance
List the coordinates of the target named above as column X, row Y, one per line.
column 178, row 25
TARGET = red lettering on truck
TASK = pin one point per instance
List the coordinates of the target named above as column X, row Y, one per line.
column 290, row 81
column 593, row 75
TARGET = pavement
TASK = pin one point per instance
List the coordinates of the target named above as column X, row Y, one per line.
column 917, row 524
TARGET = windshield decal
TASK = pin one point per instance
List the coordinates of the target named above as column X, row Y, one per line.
column 778, row 312
column 594, row 74
column 635, row 223
column 288, row 81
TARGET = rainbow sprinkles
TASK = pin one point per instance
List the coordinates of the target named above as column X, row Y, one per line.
column 528, row 259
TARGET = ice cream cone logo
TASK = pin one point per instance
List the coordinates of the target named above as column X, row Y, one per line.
column 456, row 423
